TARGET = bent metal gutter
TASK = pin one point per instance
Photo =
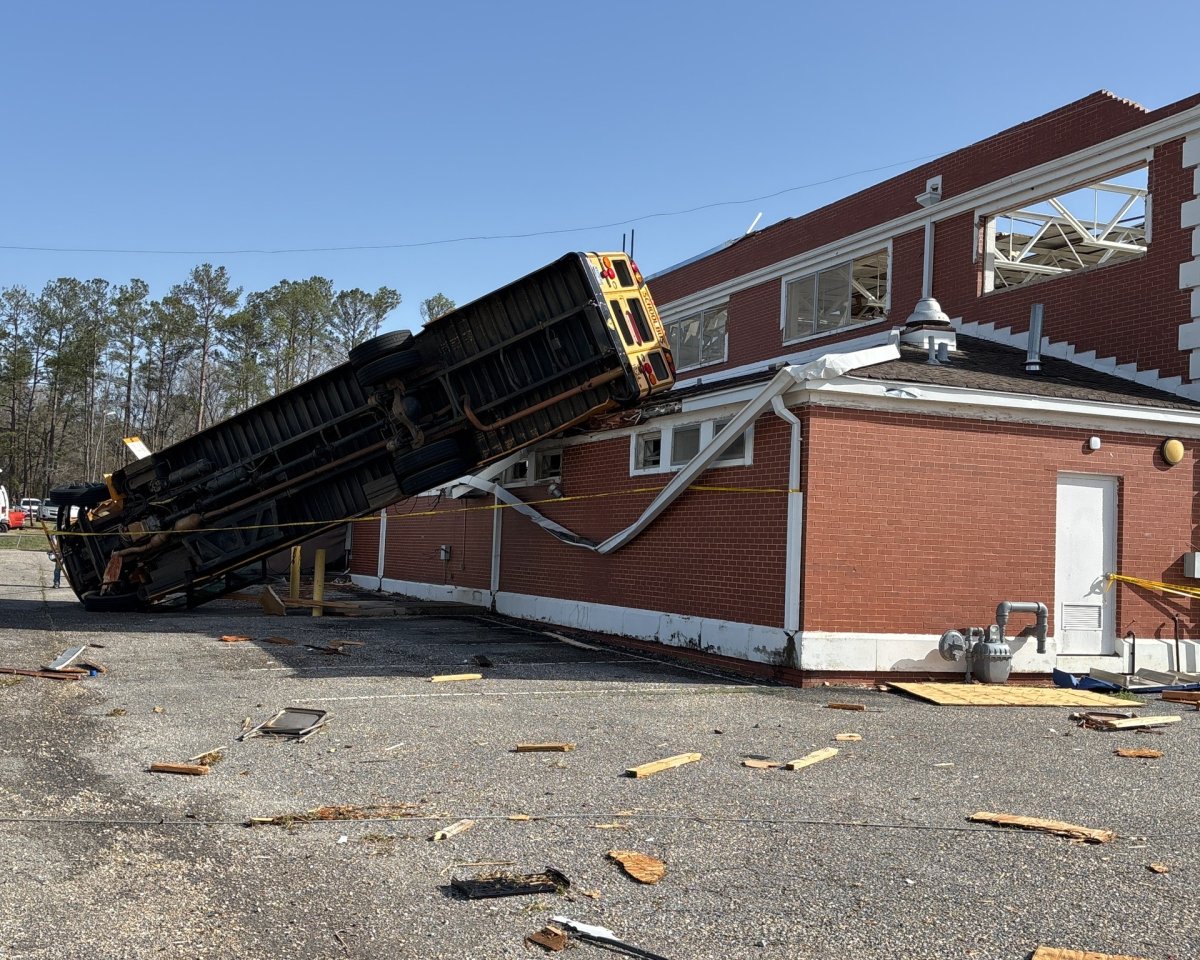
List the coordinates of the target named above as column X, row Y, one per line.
column 826, row 367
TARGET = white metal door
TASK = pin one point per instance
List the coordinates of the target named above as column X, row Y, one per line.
column 1085, row 550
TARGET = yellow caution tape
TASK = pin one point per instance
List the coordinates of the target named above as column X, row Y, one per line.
column 1176, row 588
column 417, row 514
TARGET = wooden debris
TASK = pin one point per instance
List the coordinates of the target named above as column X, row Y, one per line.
column 44, row 674
column 234, row 638
column 334, row 649
column 846, row 706
column 347, row 811
column 543, row 748
column 1058, row 953
column 610, row 826
column 451, row 677
column 519, row 817
column 658, row 766
column 1182, row 696
column 642, row 867
column 511, row 884
column 1110, row 721
column 815, row 757
column 189, row 769
column 1158, row 868
column 459, row 826
column 550, row 937
column 1144, row 753
column 848, row 737
column 755, row 764
column 1056, row 827
column 271, row 604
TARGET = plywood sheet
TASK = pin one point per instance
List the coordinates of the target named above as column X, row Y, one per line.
column 999, row 695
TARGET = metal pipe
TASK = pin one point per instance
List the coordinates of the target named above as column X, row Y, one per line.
column 1006, row 607
column 1033, row 350
column 1131, row 637
column 1178, row 667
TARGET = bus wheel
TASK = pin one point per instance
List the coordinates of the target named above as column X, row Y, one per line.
column 386, row 367
column 378, row 346
column 432, row 477
column 427, row 456
column 97, row 602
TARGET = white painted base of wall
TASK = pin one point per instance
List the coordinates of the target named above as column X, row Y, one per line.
column 817, row 651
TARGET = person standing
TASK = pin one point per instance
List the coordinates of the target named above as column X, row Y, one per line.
column 52, row 553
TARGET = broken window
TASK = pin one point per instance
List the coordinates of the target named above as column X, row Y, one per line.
column 1090, row 226
column 548, row 465
column 845, row 294
column 698, row 338
column 672, row 447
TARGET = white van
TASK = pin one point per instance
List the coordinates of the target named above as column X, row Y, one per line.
column 32, row 507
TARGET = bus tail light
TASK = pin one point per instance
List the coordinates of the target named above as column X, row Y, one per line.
column 649, row 372
column 609, row 272
column 637, row 274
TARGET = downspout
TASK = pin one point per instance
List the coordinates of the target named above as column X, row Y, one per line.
column 497, row 530
column 382, row 546
column 795, row 527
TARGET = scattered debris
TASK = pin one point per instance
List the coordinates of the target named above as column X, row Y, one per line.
column 209, row 758
column 1056, row 827
column 1058, row 953
column 848, row 737
column 640, row 866
column 846, row 706
column 347, row 811
column 519, row 817
column 66, row 658
column 271, row 603
column 234, row 638
column 551, row 937
column 459, row 826
column 44, row 674
column 604, row 937
column 756, row 764
column 482, row 660
column 1007, row 695
column 280, row 641
column 1144, row 753
column 486, row 885
column 451, row 677
column 658, row 766
column 1158, row 868
column 815, row 757
column 610, row 826
column 295, row 723
column 334, row 649
column 943, row 766
column 1182, row 696
column 189, row 769
column 117, row 712
column 543, row 748
column 159, row 710
column 1096, row 720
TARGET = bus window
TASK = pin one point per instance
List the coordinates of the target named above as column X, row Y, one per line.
column 622, row 325
column 624, row 277
column 639, row 320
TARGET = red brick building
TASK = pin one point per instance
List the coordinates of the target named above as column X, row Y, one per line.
column 893, row 464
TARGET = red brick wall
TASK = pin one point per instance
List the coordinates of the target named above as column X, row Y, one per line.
column 917, row 524
column 364, row 547
column 1131, row 311
column 418, row 526
column 711, row 554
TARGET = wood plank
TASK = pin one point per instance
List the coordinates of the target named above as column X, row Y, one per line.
column 543, row 748
column 1007, row 695
column 1182, row 696
column 1057, row 827
column 658, row 766
column 1142, row 753
column 755, row 764
column 457, row 827
column 845, row 706
column 188, row 769
column 271, row 604
column 815, row 757
column 452, row 677
column 44, row 674
column 1135, row 723
column 1058, row 953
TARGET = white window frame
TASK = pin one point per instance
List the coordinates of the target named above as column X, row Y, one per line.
column 809, row 272
column 708, row 430
column 532, row 476
column 700, row 312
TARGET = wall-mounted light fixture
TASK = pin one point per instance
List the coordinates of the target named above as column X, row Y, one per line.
column 1172, row 451
column 554, row 489
column 1093, row 443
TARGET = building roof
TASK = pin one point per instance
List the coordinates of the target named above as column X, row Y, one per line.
column 982, row 365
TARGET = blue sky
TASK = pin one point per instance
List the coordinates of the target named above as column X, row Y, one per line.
column 223, row 126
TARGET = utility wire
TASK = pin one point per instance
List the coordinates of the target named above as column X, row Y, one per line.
column 471, row 239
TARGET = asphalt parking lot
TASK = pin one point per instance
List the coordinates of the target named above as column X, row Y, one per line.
column 865, row 855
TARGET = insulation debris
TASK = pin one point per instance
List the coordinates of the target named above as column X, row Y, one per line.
column 642, row 867
column 1056, row 827
column 658, row 766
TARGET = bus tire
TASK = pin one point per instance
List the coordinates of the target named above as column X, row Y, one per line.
column 427, row 456
column 378, row 346
column 384, row 368
column 432, row 477
column 96, row 602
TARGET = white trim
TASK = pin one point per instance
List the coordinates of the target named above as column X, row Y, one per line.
column 425, row 591
column 665, row 427
column 1128, row 149
column 382, row 558
column 793, row 565
column 1084, row 358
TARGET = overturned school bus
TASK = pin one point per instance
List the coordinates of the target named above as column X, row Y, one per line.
column 405, row 414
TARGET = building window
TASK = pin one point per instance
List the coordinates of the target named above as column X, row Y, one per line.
column 1093, row 225
column 541, row 466
column 547, row 466
column 673, row 447
column 839, row 296
column 698, row 339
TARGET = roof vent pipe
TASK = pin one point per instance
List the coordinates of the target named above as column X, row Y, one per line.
column 1033, row 353
column 943, row 352
column 933, row 351
column 1006, row 607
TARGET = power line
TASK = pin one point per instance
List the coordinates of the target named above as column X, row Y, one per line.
column 469, row 239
